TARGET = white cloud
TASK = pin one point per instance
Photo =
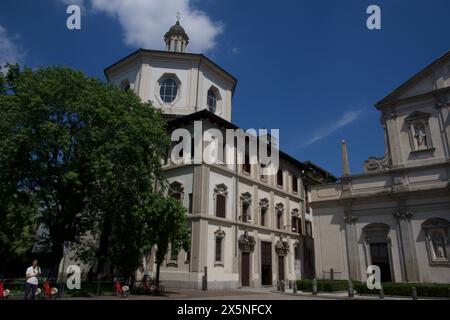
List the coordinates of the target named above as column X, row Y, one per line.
column 10, row 52
column 145, row 22
column 325, row 131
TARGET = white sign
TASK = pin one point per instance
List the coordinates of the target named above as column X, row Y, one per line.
column 74, row 279
column 374, row 277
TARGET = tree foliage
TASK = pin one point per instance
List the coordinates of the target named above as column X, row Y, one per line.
column 163, row 224
column 77, row 157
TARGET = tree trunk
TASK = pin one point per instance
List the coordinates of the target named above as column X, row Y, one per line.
column 158, row 267
column 103, row 245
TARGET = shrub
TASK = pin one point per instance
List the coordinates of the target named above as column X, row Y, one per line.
column 390, row 289
column 405, row 289
column 323, row 285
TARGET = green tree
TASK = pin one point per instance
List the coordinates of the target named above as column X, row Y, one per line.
column 83, row 154
column 164, row 224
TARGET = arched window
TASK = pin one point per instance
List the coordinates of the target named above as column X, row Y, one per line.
column 212, row 101
column 168, row 90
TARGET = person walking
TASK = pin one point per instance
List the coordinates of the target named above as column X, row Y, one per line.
column 31, row 283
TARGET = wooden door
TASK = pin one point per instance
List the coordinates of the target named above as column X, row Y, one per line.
column 245, row 269
column 266, row 263
column 380, row 256
column 280, row 267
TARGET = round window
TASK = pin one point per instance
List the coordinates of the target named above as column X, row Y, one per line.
column 168, row 90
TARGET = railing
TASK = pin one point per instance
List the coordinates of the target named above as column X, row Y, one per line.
column 88, row 288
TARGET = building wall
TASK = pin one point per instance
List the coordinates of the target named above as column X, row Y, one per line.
column 201, row 180
column 194, row 76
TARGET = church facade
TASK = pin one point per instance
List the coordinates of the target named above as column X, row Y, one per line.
column 396, row 214
column 247, row 228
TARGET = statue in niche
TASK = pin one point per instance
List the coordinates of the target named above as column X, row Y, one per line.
column 438, row 242
column 420, row 137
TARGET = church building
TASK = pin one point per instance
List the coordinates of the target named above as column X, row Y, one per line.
column 396, row 214
column 247, row 228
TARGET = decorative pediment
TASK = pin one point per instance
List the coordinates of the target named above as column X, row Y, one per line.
column 295, row 212
column 421, row 83
column 403, row 214
column 246, row 242
column 282, row 247
column 279, row 207
column 220, row 234
column 435, row 223
column 417, row 115
column 264, row 203
column 221, row 189
column 374, row 164
column 176, row 187
column 246, row 197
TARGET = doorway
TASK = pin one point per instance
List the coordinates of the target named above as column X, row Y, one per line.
column 266, row 263
column 280, row 268
column 245, row 269
column 379, row 254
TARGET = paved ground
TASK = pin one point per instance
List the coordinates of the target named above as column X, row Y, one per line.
column 242, row 294
column 238, row 294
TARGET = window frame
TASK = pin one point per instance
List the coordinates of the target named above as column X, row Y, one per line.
column 220, row 190
column 219, row 237
column 158, row 88
column 280, row 175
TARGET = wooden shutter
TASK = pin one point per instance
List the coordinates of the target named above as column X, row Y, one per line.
column 220, row 206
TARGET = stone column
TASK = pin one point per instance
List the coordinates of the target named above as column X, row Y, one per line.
column 199, row 226
column 389, row 117
column 407, row 246
column 271, row 211
column 354, row 271
column 200, row 190
column 199, row 246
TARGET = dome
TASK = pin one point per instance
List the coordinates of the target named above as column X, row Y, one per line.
column 176, row 31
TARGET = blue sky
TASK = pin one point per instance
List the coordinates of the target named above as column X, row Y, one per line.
column 310, row 68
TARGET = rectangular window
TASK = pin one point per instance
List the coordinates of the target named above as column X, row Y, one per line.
column 246, row 165
column 280, row 177
column 296, row 225
column 190, row 209
column 220, row 205
column 279, row 220
column 308, row 228
column 263, row 216
column 218, row 257
column 294, row 184
column 245, row 209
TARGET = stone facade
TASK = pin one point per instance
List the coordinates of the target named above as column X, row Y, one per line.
column 396, row 214
column 242, row 223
